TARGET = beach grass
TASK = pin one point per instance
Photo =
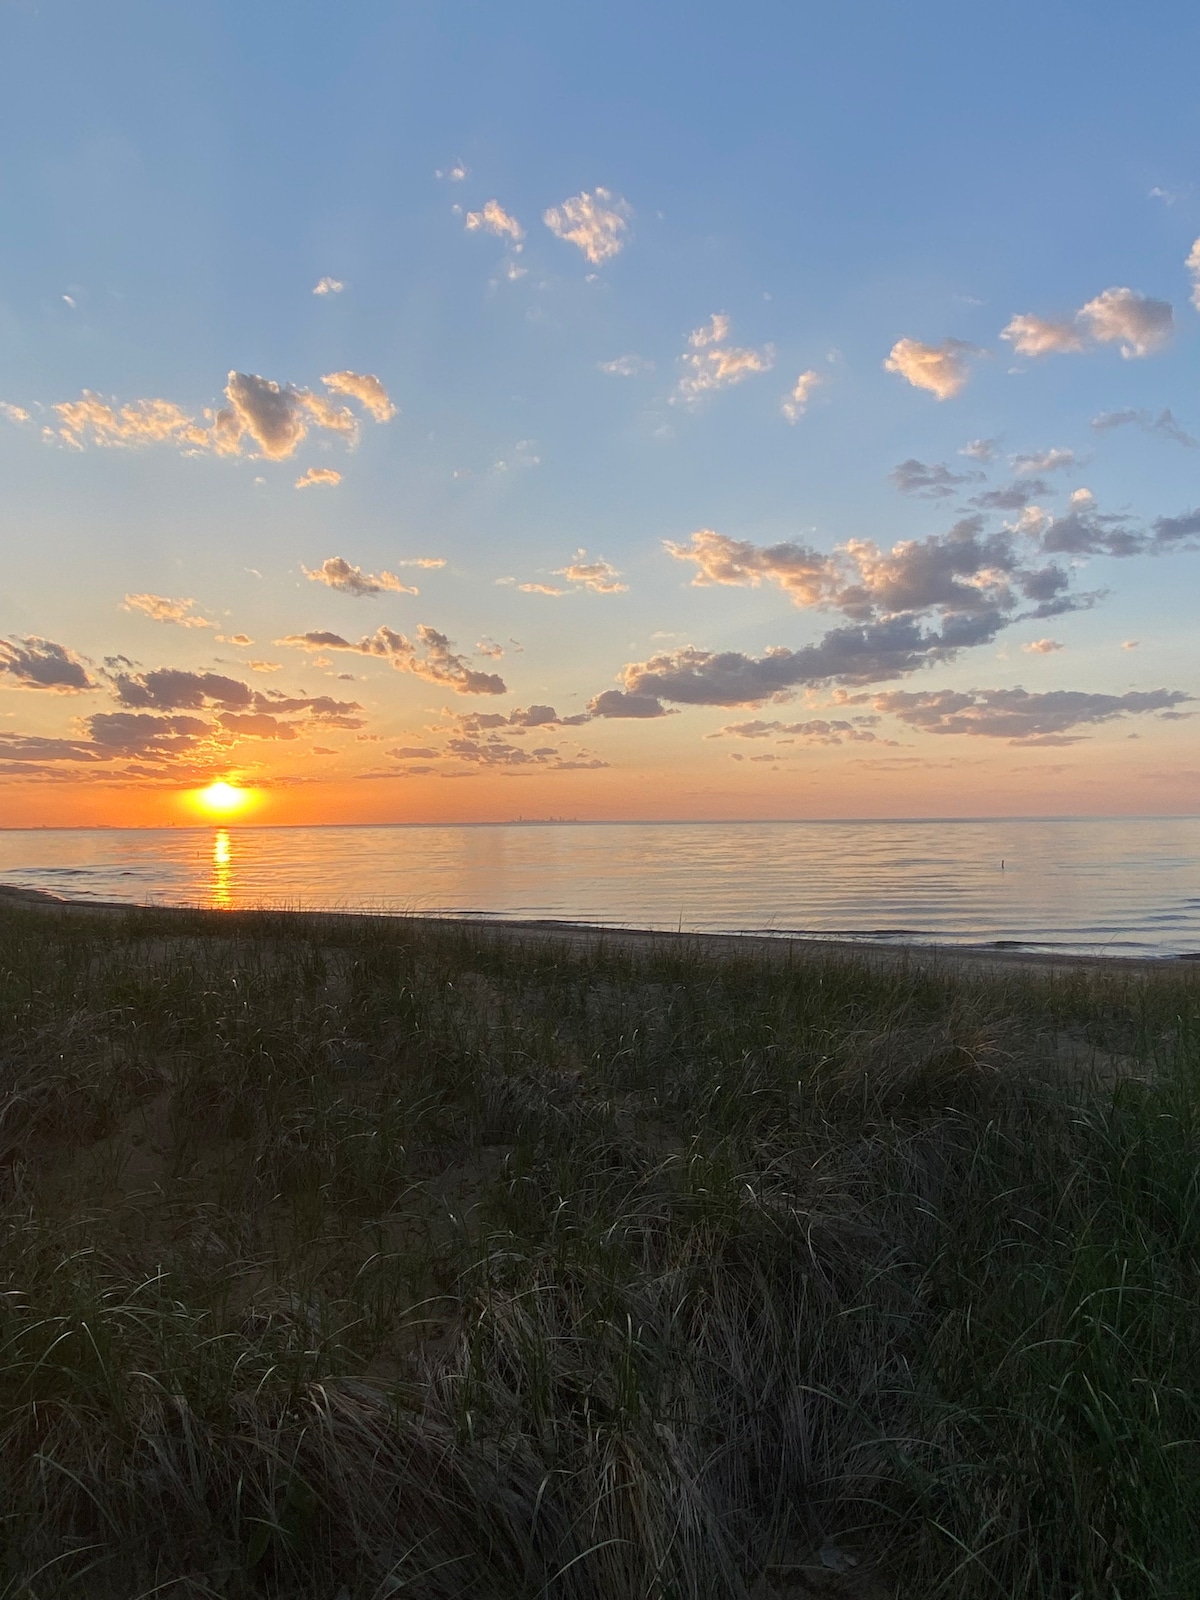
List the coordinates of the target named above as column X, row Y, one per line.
column 348, row 1258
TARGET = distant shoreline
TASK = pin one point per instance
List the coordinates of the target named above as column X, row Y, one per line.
column 616, row 822
column 987, row 959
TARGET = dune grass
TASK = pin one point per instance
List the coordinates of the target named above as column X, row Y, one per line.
column 352, row 1258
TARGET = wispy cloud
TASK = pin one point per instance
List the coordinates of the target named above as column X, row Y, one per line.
column 366, row 389
column 494, row 219
column 163, row 609
column 596, row 223
column 598, row 575
column 630, row 366
column 795, row 403
column 815, row 730
column 940, row 368
column 315, row 476
column 1042, row 647
column 1193, row 266
column 1044, row 461
column 711, row 362
column 1162, row 422
column 1017, row 715
column 432, row 657
column 337, row 573
column 929, row 480
column 329, row 286
column 13, row 413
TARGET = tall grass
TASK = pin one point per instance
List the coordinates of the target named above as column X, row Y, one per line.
column 349, row 1258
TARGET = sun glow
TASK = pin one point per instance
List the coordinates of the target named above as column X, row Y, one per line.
column 222, row 799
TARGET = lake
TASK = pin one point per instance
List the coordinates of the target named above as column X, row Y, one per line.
column 1126, row 886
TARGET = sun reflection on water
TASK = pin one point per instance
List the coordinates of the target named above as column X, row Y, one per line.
column 221, row 891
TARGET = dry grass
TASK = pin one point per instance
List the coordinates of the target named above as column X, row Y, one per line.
column 349, row 1259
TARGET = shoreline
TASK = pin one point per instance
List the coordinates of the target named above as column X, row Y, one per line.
column 987, row 959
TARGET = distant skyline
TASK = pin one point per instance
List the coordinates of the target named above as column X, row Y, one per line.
column 430, row 414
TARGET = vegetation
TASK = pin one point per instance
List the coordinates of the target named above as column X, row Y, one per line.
column 347, row 1258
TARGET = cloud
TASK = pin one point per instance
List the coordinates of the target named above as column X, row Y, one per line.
column 1031, row 335
column 366, row 389
column 1042, row 647
column 265, row 666
column 711, row 363
column 979, row 449
column 329, row 286
column 476, row 741
column 318, row 475
column 93, row 420
column 1193, row 266
column 1012, row 497
column 929, row 481
column 618, row 704
column 13, row 413
column 817, row 731
column 795, row 403
column 940, row 368
column 889, row 649
column 1045, row 461
column 150, row 737
column 33, row 663
column 274, row 417
column 1164, row 423
column 257, row 725
column 1018, row 716
column 431, row 658
column 962, row 571
column 1173, row 530
column 809, row 577
column 178, row 689
column 338, row 574
column 30, row 747
column 626, row 366
column 242, row 712
column 596, row 223
column 1139, row 324
column 600, row 576
column 161, row 609
column 541, row 588
column 1085, row 531
column 454, row 174
column 494, row 219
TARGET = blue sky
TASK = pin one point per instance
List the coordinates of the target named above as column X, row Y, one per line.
column 780, row 190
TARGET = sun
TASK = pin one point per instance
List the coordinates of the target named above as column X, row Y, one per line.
column 223, row 799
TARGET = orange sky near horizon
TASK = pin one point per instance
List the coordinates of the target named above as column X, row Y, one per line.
column 1085, row 780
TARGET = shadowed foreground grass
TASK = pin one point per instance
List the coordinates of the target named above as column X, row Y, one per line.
column 349, row 1259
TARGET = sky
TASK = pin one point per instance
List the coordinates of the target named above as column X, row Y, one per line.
column 414, row 412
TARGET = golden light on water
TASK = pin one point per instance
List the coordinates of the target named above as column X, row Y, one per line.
column 222, row 873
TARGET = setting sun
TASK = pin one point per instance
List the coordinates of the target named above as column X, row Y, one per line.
column 222, row 799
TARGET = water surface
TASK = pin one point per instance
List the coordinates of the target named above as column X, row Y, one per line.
column 1127, row 886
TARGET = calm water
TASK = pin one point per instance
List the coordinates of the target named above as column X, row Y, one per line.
column 1129, row 886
